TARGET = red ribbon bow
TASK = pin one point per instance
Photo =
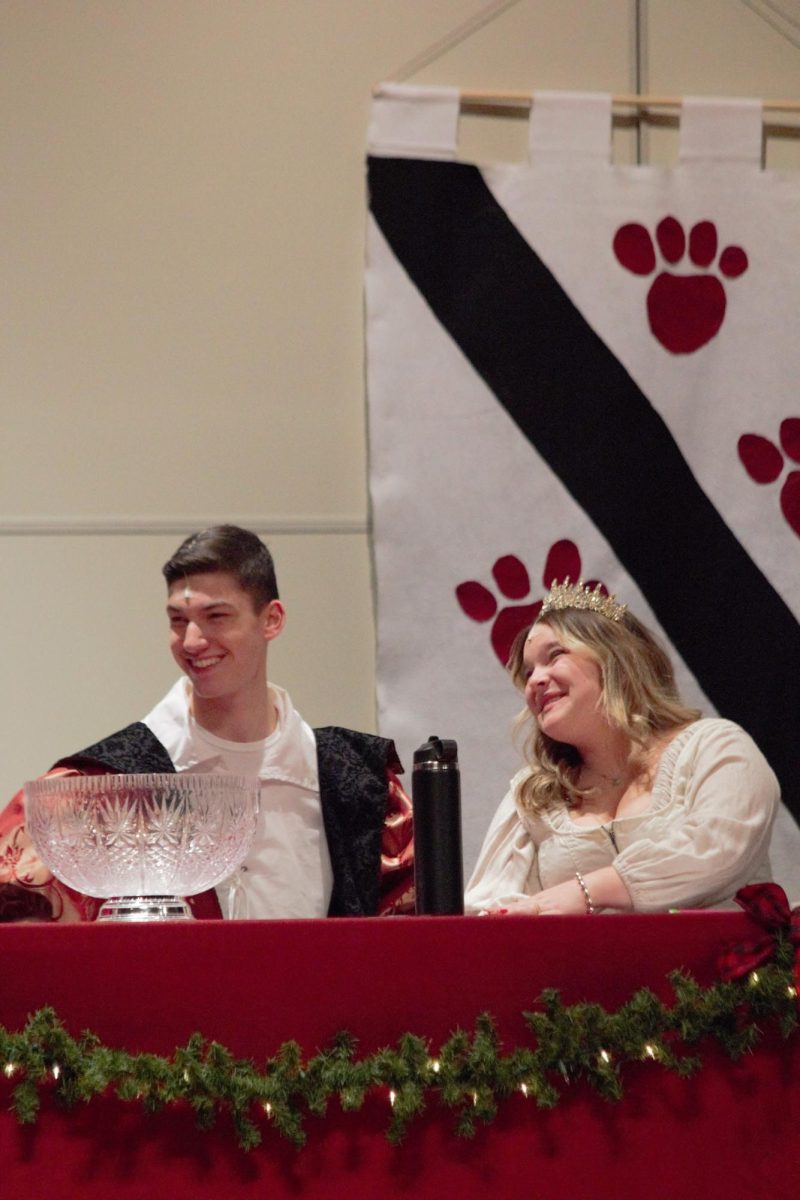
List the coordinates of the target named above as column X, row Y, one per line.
column 766, row 903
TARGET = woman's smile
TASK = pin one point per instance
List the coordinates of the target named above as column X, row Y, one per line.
column 564, row 687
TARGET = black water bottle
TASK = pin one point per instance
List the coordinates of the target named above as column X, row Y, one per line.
column 436, row 792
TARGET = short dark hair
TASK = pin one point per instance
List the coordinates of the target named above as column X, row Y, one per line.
column 227, row 548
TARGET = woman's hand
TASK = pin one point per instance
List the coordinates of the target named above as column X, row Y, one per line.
column 565, row 899
column 569, row 900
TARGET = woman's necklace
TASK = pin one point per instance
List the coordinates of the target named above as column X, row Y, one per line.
column 613, row 781
column 609, row 784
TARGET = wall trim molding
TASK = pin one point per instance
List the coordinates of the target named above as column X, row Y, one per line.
column 139, row 526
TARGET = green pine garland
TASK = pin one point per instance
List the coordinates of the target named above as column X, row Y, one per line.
column 470, row 1074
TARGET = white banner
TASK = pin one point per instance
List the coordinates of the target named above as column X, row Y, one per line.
column 583, row 369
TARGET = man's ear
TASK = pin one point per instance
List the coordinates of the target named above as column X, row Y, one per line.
column 273, row 618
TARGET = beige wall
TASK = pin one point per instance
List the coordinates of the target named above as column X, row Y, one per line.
column 181, row 315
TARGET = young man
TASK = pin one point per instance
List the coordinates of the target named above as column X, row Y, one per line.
column 335, row 833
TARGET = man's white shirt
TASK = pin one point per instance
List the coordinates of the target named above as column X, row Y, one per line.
column 287, row 872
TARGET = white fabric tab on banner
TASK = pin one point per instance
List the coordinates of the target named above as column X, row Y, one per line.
column 715, row 129
column 414, row 122
column 570, row 125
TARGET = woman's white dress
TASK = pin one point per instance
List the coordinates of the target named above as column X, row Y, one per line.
column 704, row 834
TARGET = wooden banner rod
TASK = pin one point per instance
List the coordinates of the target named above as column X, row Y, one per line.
column 496, row 99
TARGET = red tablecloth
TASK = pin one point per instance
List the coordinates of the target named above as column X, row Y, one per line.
column 732, row 1131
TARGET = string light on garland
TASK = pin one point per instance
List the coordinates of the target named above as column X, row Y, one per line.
column 471, row 1074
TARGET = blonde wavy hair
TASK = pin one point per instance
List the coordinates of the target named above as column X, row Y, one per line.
column 639, row 697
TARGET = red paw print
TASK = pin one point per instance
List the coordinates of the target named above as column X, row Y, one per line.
column 513, row 581
column 685, row 311
column 763, row 462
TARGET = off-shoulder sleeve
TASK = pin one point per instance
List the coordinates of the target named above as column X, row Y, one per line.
column 715, row 838
column 506, row 867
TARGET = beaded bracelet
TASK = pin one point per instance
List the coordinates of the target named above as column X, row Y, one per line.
column 587, row 895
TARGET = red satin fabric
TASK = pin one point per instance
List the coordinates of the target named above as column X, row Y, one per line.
column 21, row 867
column 731, row 1131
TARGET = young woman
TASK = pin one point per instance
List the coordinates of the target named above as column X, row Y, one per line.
column 629, row 801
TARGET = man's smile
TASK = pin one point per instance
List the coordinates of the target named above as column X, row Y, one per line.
column 201, row 664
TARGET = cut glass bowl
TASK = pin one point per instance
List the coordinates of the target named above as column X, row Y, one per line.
column 142, row 841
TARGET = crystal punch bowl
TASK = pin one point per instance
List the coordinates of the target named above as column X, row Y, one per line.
column 143, row 840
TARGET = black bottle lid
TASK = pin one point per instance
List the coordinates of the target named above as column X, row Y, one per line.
column 443, row 751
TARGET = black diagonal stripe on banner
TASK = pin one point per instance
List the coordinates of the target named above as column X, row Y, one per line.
column 579, row 407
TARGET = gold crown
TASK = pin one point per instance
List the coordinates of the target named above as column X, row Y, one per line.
column 577, row 595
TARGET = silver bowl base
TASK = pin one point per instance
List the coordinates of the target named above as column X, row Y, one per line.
column 145, row 908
